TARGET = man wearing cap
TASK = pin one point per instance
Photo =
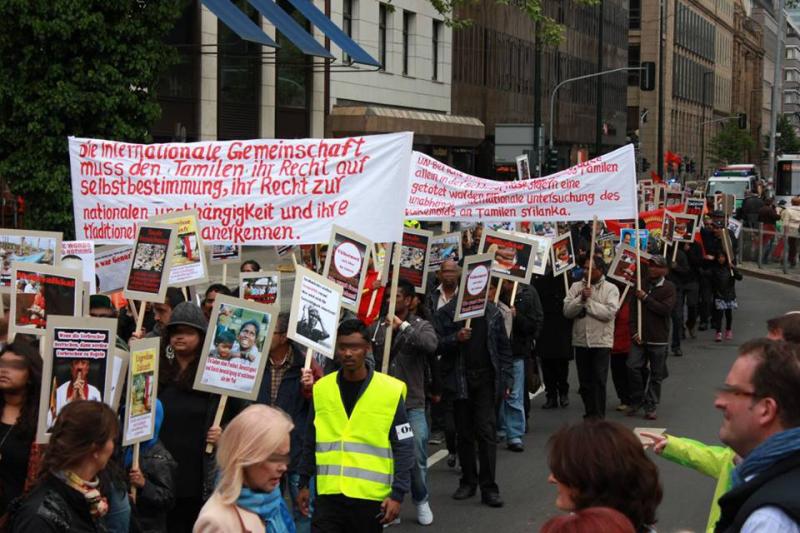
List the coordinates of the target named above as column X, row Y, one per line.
column 649, row 348
column 592, row 308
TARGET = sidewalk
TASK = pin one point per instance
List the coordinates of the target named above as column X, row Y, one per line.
column 772, row 272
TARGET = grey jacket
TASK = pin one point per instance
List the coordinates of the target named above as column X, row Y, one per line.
column 593, row 325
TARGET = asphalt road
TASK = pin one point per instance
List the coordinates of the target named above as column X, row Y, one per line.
column 686, row 409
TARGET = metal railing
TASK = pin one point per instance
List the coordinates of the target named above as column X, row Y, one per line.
column 769, row 249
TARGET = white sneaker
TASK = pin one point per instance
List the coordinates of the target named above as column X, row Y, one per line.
column 395, row 522
column 424, row 514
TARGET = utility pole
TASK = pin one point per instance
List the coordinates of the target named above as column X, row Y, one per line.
column 703, row 128
column 777, row 88
column 660, row 140
column 598, row 138
column 537, row 100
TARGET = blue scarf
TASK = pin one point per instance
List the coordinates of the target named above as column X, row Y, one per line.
column 270, row 507
column 774, row 449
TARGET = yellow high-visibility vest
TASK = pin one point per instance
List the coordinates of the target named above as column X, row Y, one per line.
column 354, row 456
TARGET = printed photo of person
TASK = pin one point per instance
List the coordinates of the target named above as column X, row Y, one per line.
column 24, row 246
column 42, row 291
column 223, row 345
column 246, row 341
column 563, row 254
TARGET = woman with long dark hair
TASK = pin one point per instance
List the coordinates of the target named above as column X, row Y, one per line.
column 20, row 379
column 69, row 496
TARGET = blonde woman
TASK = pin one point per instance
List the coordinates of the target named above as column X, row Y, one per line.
column 252, row 454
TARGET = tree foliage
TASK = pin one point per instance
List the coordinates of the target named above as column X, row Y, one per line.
column 787, row 141
column 730, row 145
column 74, row 67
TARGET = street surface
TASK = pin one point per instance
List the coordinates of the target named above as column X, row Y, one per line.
column 686, row 409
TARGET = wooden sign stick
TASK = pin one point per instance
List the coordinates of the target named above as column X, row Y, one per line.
column 675, row 251
column 514, row 292
column 140, row 318
column 638, row 278
column 135, row 466
column 624, row 294
column 309, row 355
column 566, row 282
column 224, row 273
column 134, row 312
column 591, row 252
column 223, row 399
column 387, row 344
column 185, row 292
column 497, row 292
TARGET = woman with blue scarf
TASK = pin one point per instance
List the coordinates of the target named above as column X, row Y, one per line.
column 253, row 455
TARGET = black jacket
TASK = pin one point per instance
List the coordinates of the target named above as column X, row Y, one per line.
column 527, row 323
column 290, row 399
column 656, row 312
column 723, row 282
column 54, row 507
column 777, row 486
column 157, row 497
column 555, row 340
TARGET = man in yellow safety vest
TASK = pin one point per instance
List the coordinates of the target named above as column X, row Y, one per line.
column 358, row 442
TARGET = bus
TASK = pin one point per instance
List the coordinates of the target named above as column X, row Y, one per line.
column 787, row 177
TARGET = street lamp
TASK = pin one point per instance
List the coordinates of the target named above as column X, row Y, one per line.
column 703, row 130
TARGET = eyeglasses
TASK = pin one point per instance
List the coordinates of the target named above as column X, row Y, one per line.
column 733, row 390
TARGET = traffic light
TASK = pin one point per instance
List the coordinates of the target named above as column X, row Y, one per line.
column 647, row 79
column 645, row 165
column 552, row 160
column 742, row 121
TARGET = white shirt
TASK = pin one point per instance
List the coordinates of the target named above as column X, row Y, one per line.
column 443, row 299
column 770, row 519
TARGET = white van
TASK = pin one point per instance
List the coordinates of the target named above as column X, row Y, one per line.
column 735, row 180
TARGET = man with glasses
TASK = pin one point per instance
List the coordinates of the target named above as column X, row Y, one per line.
column 760, row 406
column 358, row 442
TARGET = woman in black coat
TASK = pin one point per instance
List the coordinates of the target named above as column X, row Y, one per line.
column 554, row 347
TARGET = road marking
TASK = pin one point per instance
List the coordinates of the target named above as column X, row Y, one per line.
column 436, row 457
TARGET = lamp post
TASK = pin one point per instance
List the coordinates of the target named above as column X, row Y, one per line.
column 703, row 128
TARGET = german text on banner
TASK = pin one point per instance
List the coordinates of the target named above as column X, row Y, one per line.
column 258, row 192
column 604, row 186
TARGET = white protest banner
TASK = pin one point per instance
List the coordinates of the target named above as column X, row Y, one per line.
column 80, row 255
column 606, row 184
column 111, row 266
column 259, row 192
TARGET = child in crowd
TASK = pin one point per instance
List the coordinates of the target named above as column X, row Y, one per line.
column 723, row 282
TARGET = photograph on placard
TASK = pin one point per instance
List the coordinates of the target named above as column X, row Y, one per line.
column 627, row 237
column 545, row 229
column 80, row 256
column 41, row 291
column 541, row 254
column 414, row 253
column 260, row 287
column 188, row 265
column 26, row 246
column 523, row 167
column 695, row 206
column 444, row 247
column 685, row 226
column 668, row 226
column 674, row 198
column 142, row 391
column 346, row 264
column 308, row 256
column 470, row 236
column 236, row 347
column 220, row 254
column 649, row 195
column 513, row 253
column 562, row 254
column 473, row 290
column 314, row 315
column 77, row 353
column 607, row 242
column 623, row 269
column 111, row 266
column 645, row 183
column 735, row 227
column 149, row 269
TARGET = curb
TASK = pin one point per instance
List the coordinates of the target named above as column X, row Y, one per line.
column 761, row 274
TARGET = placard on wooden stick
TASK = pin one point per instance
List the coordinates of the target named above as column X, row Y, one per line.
column 346, row 264
column 188, row 259
column 261, row 287
column 514, row 254
column 562, row 254
column 314, row 316
column 149, row 270
column 473, row 290
column 444, row 247
column 26, row 246
column 142, row 391
column 41, row 291
column 414, row 257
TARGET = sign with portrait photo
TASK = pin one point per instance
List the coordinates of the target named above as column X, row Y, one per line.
column 623, row 269
column 140, row 402
column 513, row 254
column 473, row 289
column 314, row 315
column 685, row 226
column 627, row 237
column 149, row 269
column 668, row 226
column 562, row 254
column 443, row 248
column 541, row 253
column 236, row 349
column 414, row 257
column 26, row 246
column 346, row 264
column 673, row 198
column 260, row 287
column 523, row 167
column 41, row 291
column 221, row 254
column 77, row 353
column 695, row 206
column 188, row 265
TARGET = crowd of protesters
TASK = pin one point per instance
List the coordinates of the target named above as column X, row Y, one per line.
column 339, row 446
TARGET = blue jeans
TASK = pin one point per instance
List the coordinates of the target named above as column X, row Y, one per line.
column 511, row 414
column 419, row 474
column 302, row 523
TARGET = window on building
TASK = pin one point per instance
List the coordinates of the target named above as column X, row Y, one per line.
column 634, row 14
column 238, row 82
column 437, row 33
column 382, row 16
column 634, row 60
column 408, row 21
column 347, row 24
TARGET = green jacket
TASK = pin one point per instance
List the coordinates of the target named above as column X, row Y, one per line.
column 713, row 461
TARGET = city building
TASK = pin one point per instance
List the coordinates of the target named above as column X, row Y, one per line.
column 791, row 73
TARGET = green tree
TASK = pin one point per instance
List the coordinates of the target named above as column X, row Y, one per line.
column 730, row 145
column 786, row 141
column 74, row 67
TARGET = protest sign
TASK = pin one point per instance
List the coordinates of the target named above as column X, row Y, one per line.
column 150, row 265
column 119, row 373
column 260, row 287
column 80, row 255
column 414, row 257
column 111, row 265
column 523, row 167
column 188, row 264
column 513, row 254
column 668, row 227
column 626, row 237
column 40, row 292
column 444, row 247
column 674, row 198
column 607, row 244
column 563, row 254
column 545, row 229
column 606, row 184
column 25, row 246
column 473, row 290
column 735, row 227
column 695, row 206
column 346, row 264
column 623, row 269
column 235, row 355
column 140, row 401
column 685, row 226
column 314, row 315
column 77, row 354
column 648, row 197
column 221, row 254
column 383, row 261
column 259, row 192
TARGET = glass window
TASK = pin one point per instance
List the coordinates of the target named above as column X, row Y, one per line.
column 634, row 53
column 239, row 81
column 347, row 24
column 437, row 30
column 634, row 14
column 382, row 16
column 408, row 19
